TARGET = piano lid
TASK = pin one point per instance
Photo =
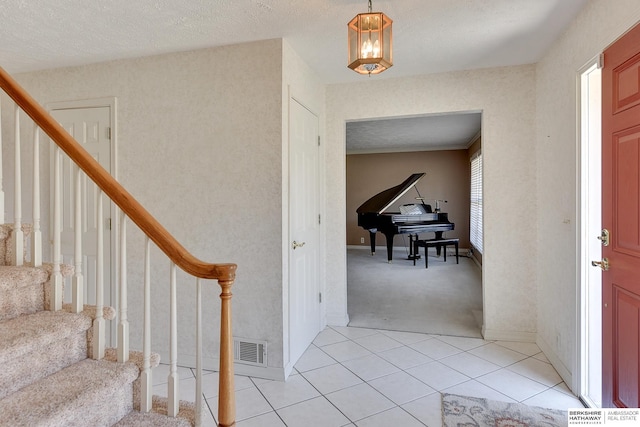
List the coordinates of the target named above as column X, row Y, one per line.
column 381, row 201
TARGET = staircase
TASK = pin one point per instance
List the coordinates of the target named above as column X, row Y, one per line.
column 56, row 369
column 48, row 378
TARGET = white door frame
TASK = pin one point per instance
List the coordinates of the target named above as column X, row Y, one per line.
column 589, row 323
column 112, row 103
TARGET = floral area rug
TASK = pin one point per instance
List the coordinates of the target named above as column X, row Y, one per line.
column 462, row 411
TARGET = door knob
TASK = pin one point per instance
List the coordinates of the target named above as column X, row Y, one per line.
column 604, row 264
column 295, row 245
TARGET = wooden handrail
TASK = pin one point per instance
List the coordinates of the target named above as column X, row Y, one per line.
column 112, row 188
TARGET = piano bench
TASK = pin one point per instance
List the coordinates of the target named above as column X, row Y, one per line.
column 434, row 243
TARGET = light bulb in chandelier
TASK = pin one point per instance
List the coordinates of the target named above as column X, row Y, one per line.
column 367, row 49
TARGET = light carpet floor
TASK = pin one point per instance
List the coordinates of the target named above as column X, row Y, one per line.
column 444, row 299
column 478, row 412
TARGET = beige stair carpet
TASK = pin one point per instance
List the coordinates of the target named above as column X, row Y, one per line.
column 37, row 345
column 47, row 378
column 88, row 393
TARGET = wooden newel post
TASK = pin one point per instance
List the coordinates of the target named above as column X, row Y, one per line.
column 226, row 392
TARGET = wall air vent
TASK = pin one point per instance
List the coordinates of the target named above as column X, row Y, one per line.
column 250, row 352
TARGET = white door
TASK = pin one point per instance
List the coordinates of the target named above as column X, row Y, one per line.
column 92, row 128
column 304, row 230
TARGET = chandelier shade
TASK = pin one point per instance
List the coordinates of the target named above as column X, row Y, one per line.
column 370, row 41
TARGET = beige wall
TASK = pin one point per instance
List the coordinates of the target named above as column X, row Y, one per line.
column 557, row 154
column 204, row 147
column 200, row 143
column 505, row 96
column 447, row 179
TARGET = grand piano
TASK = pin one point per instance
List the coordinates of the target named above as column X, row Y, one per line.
column 372, row 217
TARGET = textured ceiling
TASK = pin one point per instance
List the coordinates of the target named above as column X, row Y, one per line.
column 431, row 132
column 430, row 36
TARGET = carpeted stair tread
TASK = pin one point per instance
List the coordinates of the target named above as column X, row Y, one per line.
column 13, row 278
column 108, row 313
column 25, row 290
column 155, row 419
column 158, row 415
column 24, row 334
column 79, row 395
column 135, row 357
column 22, row 290
column 37, row 345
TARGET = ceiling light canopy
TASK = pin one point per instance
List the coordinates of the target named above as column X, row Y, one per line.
column 370, row 42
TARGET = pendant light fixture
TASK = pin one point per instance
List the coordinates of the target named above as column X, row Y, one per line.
column 370, row 42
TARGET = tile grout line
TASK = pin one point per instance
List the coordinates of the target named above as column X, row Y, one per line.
column 324, row 396
column 375, row 353
column 462, row 351
column 274, row 410
column 402, row 346
column 360, row 378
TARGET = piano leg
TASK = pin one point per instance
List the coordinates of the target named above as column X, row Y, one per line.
column 389, row 246
column 372, row 240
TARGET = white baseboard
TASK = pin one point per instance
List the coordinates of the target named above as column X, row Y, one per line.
column 498, row 335
column 555, row 361
column 213, row 364
column 473, row 258
column 562, row 370
column 338, row 320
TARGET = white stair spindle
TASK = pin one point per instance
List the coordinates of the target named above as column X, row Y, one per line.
column 146, row 377
column 174, row 399
column 56, row 275
column 123, row 323
column 98, row 323
column 77, row 283
column 18, row 235
column 1, row 187
column 198, row 353
column 36, row 235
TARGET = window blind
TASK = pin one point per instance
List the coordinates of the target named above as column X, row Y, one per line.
column 475, row 228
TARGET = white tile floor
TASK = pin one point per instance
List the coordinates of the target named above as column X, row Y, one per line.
column 367, row 377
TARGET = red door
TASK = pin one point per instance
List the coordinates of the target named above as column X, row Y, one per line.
column 621, row 216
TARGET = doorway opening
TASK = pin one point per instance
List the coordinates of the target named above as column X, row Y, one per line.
column 590, row 346
column 446, row 298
